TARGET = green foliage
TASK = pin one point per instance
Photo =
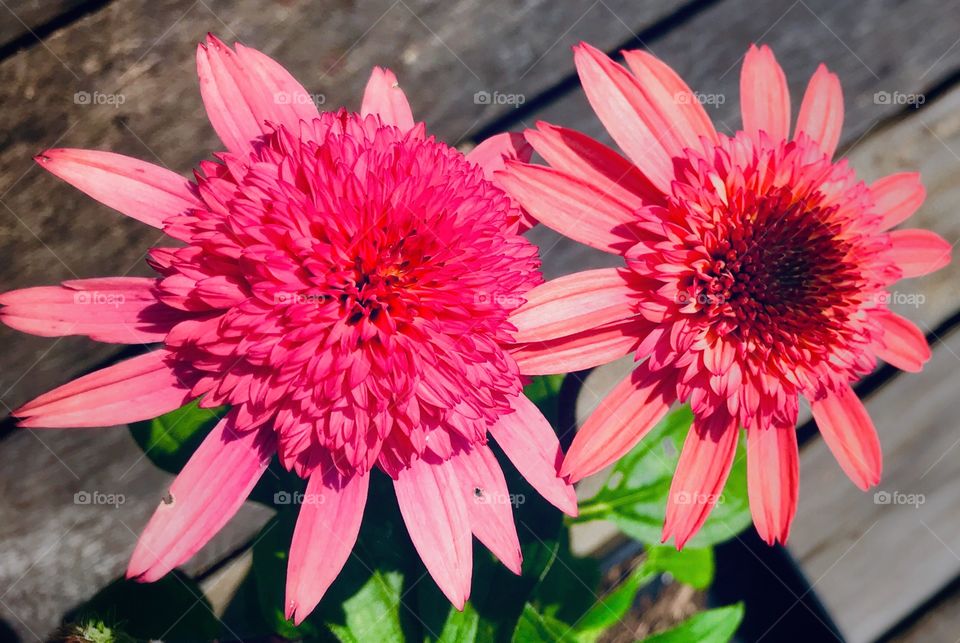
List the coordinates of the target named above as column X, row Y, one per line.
column 169, row 440
column 711, row 626
column 634, row 497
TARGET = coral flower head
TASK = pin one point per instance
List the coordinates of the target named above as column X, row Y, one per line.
column 343, row 284
column 756, row 273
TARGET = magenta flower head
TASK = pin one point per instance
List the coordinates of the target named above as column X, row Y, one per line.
column 343, row 283
column 756, row 273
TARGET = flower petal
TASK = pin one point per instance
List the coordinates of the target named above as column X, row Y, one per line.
column 492, row 153
column 821, row 112
column 902, row 345
column 847, row 429
column 577, row 352
column 532, row 446
column 488, row 503
column 570, row 206
column 625, row 112
column 571, row 304
column 205, row 495
column 140, row 190
column 136, row 389
column 438, row 524
column 326, row 531
column 918, row 252
column 576, row 154
column 773, row 480
column 243, row 90
column 897, row 197
column 384, row 98
column 119, row 310
column 764, row 95
column 702, row 471
column 619, row 422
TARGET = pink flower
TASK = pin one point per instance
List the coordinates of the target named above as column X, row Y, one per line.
column 343, row 284
column 756, row 273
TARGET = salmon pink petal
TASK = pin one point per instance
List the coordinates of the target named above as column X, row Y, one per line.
column 702, row 471
column 570, row 206
column 327, row 528
column 571, row 304
column 902, row 344
column 122, row 310
column 577, row 154
column 764, row 95
column 821, row 112
column 773, row 480
column 577, row 352
column 205, row 495
column 142, row 191
column 489, row 503
column 438, row 523
column 532, row 446
column 244, row 90
column 897, row 197
column 384, row 98
column 847, row 429
column 136, row 389
column 492, row 153
column 626, row 113
column 918, row 252
column 672, row 111
column 623, row 417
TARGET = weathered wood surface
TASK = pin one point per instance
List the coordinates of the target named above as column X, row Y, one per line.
column 57, row 553
column 19, row 18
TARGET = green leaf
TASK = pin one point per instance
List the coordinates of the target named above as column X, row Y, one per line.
column 169, row 440
column 544, row 391
column 172, row 608
column 712, row 626
column 373, row 612
column 690, row 566
column 634, row 497
column 534, row 626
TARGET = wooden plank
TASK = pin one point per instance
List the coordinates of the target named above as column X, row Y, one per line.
column 940, row 623
column 23, row 17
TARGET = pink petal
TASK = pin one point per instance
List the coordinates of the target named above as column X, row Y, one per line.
column 492, row 153
column 620, row 421
column 205, row 495
column 488, row 503
column 918, row 252
column 244, row 90
column 625, row 112
column 773, row 480
column 897, row 197
column 384, row 98
column 136, row 389
column 903, row 344
column 326, row 531
column 532, row 446
column 821, row 112
column 439, row 524
column 576, row 154
column 849, row 433
column 577, row 352
column 140, row 190
column 570, row 206
column 573, row 303
column 764, row 95
column 702, row 471
column 120, row 310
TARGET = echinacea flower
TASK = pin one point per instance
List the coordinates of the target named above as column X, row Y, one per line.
column 756, row 273
column 343, row 283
